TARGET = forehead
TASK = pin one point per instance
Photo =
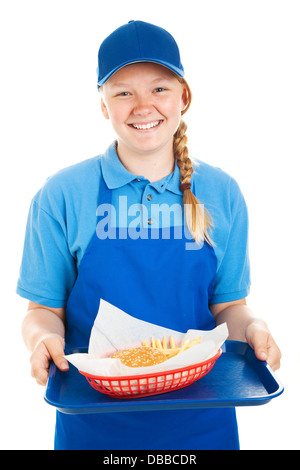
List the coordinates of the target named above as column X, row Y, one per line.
column 142, row 70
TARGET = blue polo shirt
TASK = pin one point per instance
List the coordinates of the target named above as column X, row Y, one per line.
column 63, row 218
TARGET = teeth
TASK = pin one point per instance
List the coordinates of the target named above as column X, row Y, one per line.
column 146, row 126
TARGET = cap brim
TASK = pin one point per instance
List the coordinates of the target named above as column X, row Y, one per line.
column 178, row 71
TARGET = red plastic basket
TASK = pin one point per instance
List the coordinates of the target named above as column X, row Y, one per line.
column 151, row 384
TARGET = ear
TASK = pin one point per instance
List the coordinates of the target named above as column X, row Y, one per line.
column 104, row 109
column 184, row 98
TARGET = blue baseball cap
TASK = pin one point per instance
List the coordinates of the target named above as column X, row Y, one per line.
column 134, row 42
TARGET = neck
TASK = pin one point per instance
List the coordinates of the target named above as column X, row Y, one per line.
column 153, row 166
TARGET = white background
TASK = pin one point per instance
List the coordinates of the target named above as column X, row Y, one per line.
column 242, row 62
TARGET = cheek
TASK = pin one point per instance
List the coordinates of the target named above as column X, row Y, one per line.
column 113, row 115
column 119, row 114
column 172, row 107
column 116, row 112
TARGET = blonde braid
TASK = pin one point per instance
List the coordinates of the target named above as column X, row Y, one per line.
column 197, row 218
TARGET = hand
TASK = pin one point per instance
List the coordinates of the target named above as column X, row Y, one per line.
column 49, row 348
column 260, row 339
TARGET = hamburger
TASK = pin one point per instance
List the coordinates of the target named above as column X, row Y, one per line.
column 140, row 356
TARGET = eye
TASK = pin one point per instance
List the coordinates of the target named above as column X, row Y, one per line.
column 123, row 93
column 159, row 90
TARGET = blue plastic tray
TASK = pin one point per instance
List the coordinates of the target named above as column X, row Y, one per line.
column 237, row 379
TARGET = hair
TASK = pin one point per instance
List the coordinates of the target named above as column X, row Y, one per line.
column 197, row 217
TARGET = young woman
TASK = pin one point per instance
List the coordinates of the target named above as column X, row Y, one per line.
column 145, row 230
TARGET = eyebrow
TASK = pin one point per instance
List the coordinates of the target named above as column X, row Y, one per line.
column 119, row 85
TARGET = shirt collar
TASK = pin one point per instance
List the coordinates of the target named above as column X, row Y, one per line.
column 115, row 174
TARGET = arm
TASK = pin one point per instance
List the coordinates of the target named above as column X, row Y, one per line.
column 244, row 326
column 43, row 332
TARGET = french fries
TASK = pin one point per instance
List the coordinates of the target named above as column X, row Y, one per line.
column 173, row 350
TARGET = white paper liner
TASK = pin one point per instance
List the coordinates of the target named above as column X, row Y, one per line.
column 115, row 330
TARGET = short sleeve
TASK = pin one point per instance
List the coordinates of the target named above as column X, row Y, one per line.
column 232, row 281
column 48, row 270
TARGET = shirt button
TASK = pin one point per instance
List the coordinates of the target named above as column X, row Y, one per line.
column 149, row 197
column 137, row 179
column 150, row 222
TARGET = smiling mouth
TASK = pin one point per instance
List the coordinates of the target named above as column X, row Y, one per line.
column 145, row 127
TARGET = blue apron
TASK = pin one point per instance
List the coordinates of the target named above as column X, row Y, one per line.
column 156, row 280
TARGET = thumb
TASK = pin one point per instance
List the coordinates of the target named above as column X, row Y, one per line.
column 55, row 346
column 258, row 340
column 261, row 354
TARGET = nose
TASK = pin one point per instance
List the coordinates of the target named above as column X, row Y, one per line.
column 143, row 105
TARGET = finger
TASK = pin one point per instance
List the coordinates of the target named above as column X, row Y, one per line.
column 259, row 342
column 274, row 355
column 265, row 348
column 55, row 347
column 261, row 355
column 39, row 372
column 39, row 361
column 261, row 348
